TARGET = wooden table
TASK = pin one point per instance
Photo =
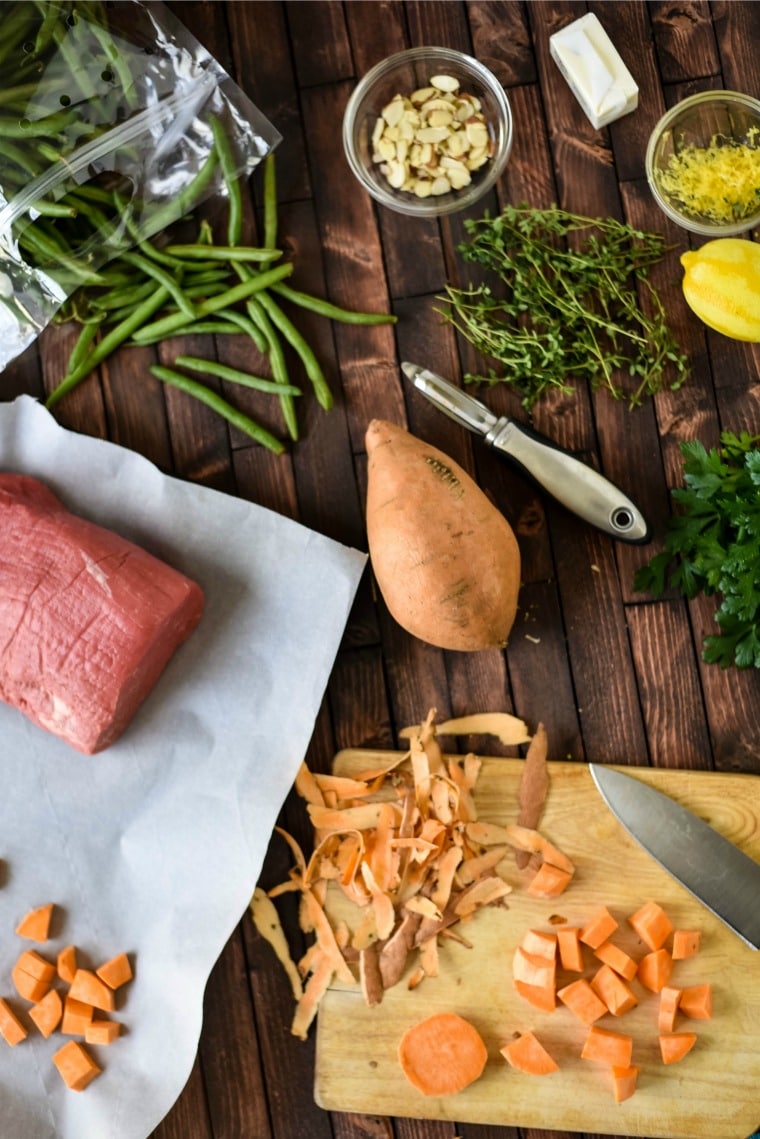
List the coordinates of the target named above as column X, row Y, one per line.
column 615, row 676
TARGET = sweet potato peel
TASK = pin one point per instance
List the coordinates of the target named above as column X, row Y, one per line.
column 405, row 846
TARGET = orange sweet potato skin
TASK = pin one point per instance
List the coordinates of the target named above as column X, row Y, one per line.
column 446, row 561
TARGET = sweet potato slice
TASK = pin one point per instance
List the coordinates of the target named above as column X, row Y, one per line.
column 532, row 970
column 675, row 1045
column 527, row 1054
column 76, row 1066
column 31, row 962
column 11, row 1028
column 66, row 963
column 540, row 944
column 442, row 1054
column 668, row 1010
column 29, row 987
column 47, row 1013
column 541, row 996
column 36, row 924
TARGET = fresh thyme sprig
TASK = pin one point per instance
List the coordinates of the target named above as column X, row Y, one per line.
column 558, row 313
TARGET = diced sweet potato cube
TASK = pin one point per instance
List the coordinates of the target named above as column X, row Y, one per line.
column 617, row 959
column 696, row 1002
column 675, row 1045
column 611, row 1048
column 29, row 987
column 91, row 990
column 115, row 972
column 76, row 1016
column 76, row 1065
column 102, row 1032
column 36, row 924
column 610, row 987
column 35, row 965
column 11, row 1028
column 652, row 925
column 570, row 949
column 67, row 963
column 654, row 969
column 581, row 999
column 624, row 1081
column 47, row 1013
column 686, row 943
column 599, row 928
column 549, row 881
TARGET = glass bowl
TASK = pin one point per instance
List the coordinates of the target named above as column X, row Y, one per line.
column 703, row 163
column 410, row 72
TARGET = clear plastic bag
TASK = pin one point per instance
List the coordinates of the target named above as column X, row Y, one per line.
column 107, row 136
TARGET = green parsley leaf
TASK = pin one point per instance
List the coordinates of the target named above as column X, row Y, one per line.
column 712, row 545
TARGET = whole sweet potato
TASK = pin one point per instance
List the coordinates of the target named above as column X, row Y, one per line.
column 445, row 560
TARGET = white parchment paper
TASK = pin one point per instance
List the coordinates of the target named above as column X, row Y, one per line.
column 154, row 846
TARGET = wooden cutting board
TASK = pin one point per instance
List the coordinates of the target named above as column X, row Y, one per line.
column 713, row 1093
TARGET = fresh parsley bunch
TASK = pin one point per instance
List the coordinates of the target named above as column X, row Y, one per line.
column 713, row 545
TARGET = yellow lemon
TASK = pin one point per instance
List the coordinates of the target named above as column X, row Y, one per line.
column 722, row 285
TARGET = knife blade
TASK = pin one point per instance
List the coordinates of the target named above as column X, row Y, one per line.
column 716, row 872
column 573, row 483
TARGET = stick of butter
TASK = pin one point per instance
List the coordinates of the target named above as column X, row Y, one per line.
column 590, row 63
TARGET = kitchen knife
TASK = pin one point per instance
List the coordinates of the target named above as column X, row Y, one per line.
column 716, row 872
column 576, row 485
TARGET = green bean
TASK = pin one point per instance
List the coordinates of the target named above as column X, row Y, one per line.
column 21, row 159
column 304, row 350
column 333, row 312
column 54, row 210
column 120, row 298
column 277, row 361
column 116, row 60
column 183, row 303
column 179, row 205
column 27, row 128
column 50, row 17
column 197, row 328
column 244, row 324
column 147, row 247
column 108, row 344
column 270, row 202
column 82, row 347
column 231, row 181
column 63, row 34
column 234, row 376
column 223, row 300
column 223, row 252
column 34, row 240
column 220, row 406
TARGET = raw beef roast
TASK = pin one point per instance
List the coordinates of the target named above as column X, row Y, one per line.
column 88, row 620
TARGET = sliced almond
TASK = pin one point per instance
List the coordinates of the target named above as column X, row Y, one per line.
column 444, row 83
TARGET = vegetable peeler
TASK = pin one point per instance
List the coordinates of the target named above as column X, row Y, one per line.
column 573, row 483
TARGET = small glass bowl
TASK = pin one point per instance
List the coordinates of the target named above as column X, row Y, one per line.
column 711, row 119
column 403, row 73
